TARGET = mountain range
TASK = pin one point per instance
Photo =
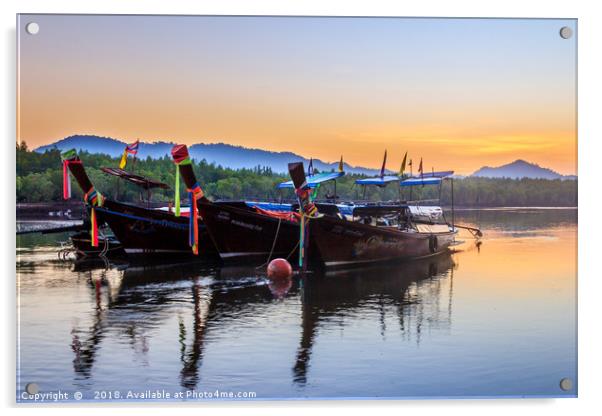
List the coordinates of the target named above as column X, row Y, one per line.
column 237, row 157
column 520, row 169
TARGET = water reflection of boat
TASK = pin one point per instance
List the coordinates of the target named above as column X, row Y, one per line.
column 133, row 302
column 145, row 294
column 400, row 285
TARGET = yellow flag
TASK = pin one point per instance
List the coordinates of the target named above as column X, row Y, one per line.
column 341, row 164
column 124, row 159
column 403, row 165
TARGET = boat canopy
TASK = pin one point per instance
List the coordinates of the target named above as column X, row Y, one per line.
column 139, row 180
column 420, row 181
column 314, row 180
column 430, row 178
column 377, row 180
column 442, row 174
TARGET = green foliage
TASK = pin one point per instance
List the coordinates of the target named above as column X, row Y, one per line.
column 39, row 179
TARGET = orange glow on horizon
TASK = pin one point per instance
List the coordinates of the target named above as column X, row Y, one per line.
column 323, row 100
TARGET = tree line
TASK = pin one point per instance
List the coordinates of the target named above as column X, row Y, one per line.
column 39, row 179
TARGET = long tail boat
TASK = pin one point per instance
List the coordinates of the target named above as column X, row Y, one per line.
column 240, row 231
column 377, row 233
column 140, row 230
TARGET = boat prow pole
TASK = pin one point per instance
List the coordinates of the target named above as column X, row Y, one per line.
column 182, row 159
column 92, row 198
column 306, row 208
column 76, row 167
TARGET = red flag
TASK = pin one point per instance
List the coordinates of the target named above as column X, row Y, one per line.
column 420, row 167
column 133, row 147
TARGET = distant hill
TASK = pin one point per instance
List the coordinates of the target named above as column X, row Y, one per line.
column 235, row 157
column 520, row 169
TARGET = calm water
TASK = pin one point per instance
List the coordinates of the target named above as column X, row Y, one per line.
column 497, row 319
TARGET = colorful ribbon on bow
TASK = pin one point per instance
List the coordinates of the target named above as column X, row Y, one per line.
column 185, row 161
column 305, row 197
column 67, row 178
column 181, row 158
column 94, row 199
column 193, row 225
column 302, row 232
column 307, row 209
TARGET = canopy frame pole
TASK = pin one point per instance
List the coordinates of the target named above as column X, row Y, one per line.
column 452, row 203
column 335, row 192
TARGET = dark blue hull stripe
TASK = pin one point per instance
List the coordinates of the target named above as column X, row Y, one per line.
column 160, row 223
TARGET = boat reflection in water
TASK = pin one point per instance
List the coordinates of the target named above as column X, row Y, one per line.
column 404, row 285
column 132, row 301
column 141, row 296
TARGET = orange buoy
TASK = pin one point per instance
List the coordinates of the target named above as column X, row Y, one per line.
column 279, row 269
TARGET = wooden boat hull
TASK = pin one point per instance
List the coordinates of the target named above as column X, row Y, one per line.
column 240, row 233
column 149, row 231
column 347, row 244
column 141, row 230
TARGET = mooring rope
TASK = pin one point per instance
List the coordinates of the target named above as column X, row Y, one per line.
column 105, row 248
column 273, row 245
column 276, row 238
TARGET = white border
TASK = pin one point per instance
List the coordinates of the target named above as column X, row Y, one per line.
column 590, row 155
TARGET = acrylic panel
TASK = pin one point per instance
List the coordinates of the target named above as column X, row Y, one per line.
column 261, row 207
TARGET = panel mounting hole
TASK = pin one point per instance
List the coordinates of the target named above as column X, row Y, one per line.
column 566, row 32
column 566, row 384
column 32, row 388
column 32, row 28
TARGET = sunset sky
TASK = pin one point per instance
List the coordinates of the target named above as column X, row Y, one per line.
column 461, row 93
